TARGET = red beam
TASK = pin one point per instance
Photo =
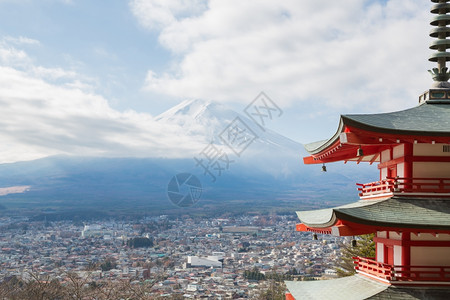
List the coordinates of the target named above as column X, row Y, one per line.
column 403, row 138
column 347, row 152
column 351, row 138
column 410, row 243
column 392, row 162
column 411, row 159
column 346, row 228
column 431, row 159
column 375, row 157
column 303, row 228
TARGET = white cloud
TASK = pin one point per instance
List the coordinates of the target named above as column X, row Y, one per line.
column 41, row 118
column 13, row 56
column 10, row 55
column 102, row 52
column 21, row 40
column 341, row 53
column 155, row 14
column 53, row 73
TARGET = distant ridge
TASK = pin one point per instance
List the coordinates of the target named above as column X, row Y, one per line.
column 268, row 175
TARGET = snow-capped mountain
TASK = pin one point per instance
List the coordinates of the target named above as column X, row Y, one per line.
column 212, row 122
column 268, row 172
column 198, row 118
column 210, row 119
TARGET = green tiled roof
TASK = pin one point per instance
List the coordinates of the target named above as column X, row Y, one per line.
column 347, row 288
column 424, row 120
column 413, row 293
column 359, row 287
column 394, row 212
column 327, row 217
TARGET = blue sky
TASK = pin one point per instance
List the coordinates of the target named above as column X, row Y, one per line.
column 104, row 42
column 89, row 76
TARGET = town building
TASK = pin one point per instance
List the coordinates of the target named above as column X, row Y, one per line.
column 212, row 261
column 408, row 209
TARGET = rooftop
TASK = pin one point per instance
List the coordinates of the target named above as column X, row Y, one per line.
column 396, row 212
column 360, row 287
column 424, row 120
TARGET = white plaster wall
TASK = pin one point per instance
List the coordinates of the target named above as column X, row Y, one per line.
column 385, row 155
column 383, row 173
column 429, row 150
column 401, row 170
column 398, row 151
column 380, row 252
column 381, row 234
column 431, row 169
column 394, row 235
column 430, row 256
column 397, row 255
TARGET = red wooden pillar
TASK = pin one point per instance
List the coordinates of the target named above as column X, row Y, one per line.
column 406, row 248
column 386, row 250
column 408, row 171
column 406, row 251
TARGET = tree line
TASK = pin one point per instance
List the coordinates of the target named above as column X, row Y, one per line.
column 74, row 287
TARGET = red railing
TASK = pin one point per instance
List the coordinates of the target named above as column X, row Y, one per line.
column 373, row 267
column 376, row 188
column 422, row 185
column 402, row 185
column 402, row 273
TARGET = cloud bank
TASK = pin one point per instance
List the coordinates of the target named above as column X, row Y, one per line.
column 40, row 117
column 339, row 53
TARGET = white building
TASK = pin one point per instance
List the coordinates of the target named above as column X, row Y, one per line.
column 206, row 262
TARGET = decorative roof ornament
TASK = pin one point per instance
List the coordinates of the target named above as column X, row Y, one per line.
column 441, row 74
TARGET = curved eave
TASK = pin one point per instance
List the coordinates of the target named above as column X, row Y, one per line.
column 362, row 287
column 333, row 150
column 423, row 123
column 324, row 218
column 348, row 121
column 317, row 147
column 395, row 212
column 345, row 288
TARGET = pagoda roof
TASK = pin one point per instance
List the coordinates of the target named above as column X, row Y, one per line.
column 429, row 119
column 425, row 119
column 360, row 287
column 346, row 288
column 394, row 212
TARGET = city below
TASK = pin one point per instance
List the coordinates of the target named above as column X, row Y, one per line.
column 167, row 257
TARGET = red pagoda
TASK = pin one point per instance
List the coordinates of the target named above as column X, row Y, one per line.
column 408, row 209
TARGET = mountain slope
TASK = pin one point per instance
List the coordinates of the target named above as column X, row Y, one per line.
column 269, row 173
column 210, row 122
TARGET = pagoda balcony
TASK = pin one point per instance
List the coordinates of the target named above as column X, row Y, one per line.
column 397, row 274
column 401, row 186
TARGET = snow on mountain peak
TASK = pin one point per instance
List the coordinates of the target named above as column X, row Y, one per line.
column 198, row 117
column 206, row 121
column 190, row 108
